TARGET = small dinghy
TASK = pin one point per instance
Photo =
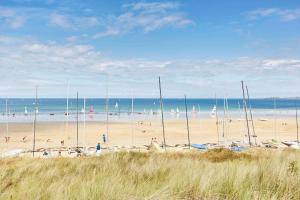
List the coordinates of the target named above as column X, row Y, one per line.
column 292, row 144
column 200, row 146
column 237, row 148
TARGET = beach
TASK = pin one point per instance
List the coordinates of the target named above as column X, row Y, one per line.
column 128, row 134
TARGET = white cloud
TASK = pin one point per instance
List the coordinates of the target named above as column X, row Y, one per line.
column 60, row 20
column 26, row 62
column 10, row 18
column 283, row 14
column 17, row 22
column 6, row 12
column 147, row 17
column 153, row 6
column 71, row 22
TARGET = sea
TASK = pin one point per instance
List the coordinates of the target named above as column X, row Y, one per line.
column 55, row 109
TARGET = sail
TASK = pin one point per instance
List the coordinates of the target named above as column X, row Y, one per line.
column 92, row 109
column 194, row 109
column 25, row 111
column 213, row 111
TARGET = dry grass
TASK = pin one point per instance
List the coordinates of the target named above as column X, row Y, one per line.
column 216, row 174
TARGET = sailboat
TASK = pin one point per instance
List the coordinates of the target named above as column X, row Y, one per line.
column 213, row 112
column 177, row 110
column 194, row 109
column 25, row 111
column 91, row 110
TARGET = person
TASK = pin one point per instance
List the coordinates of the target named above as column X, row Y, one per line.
column 104, row 138
column 98, row 148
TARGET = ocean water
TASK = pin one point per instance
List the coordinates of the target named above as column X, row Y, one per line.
column 51, row 109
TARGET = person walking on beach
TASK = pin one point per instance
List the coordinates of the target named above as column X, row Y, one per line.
column 104, row 138
column 98, row 147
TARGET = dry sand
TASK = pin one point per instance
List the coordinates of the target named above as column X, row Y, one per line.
column 49, row 134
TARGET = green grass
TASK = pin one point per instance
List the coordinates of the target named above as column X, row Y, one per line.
column 216, row 174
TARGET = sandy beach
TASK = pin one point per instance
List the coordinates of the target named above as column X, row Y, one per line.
column 140, row 133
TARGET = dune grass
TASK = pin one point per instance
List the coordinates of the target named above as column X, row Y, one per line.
column 216, row 174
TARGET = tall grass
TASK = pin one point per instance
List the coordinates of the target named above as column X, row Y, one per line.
column 216, row 174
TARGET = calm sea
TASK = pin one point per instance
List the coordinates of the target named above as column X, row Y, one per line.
column 51, row 109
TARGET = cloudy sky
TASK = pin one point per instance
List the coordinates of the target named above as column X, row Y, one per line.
column 199, row 48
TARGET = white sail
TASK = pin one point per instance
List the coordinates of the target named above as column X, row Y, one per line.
column 194, row 109
column 177, row 110
column 117, row 105
column 25, row 111
column 213, row 111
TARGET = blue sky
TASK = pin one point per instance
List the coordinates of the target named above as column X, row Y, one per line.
column 199, row 48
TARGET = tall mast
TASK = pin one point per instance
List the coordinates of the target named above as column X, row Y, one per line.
column 77, row 121
column 6, row 111
column 132, row 120
column 187, row 122
column 34, row 122
column 162, row 113
column 68, row 90
column 224, row 114
column 217, row 119
column 275, row 117
column 246, row 115
column 251, row 116
column 67, row 111
column 106, row 107
column 84, row 121
column 297, row 124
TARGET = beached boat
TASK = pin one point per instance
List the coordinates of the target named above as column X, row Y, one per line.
column 292, row 144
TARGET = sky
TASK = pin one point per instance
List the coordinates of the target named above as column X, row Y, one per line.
column 199, row 48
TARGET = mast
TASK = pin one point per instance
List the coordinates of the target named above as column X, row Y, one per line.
column 34, row 122
column 297, row 124
column 77, row 121
column 251, row 116
column 106, row 107
column 6, row 110
column 275, row 117
column 132, row 120
column 246, row 115
column 217, row 120
column 187, row 122
column 84, row 120
column 67, row 113
column 162, row 113
column 224, row 114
